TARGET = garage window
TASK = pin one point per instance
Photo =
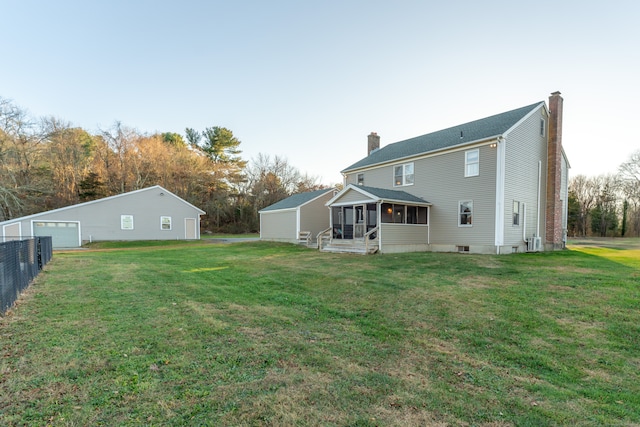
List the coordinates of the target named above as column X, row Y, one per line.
column 165, row 223
column 126, row 222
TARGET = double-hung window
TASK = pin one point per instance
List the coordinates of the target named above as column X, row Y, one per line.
column 465, row 213
column 403, row 175
column 516, row 213
column 472, row 163
column 360, row 179
column 165, row 223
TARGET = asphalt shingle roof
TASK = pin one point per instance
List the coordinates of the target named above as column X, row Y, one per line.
column 295, row 200
column 398, row 195
column 468, row 132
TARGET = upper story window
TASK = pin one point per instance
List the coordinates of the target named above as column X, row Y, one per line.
column 542, row 127
column 465, row 213
column 403, row 175
column 360, row 179
column 472, row 163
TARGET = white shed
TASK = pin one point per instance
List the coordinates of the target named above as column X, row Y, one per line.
column 152, row 213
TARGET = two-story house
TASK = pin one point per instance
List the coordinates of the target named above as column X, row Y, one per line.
column 494, row 185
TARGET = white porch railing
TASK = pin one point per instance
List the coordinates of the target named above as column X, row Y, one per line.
column 304, row 237
column 367, row 239
column 363, row 245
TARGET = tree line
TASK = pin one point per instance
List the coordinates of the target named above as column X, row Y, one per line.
column 47, row 163
column 606, row 205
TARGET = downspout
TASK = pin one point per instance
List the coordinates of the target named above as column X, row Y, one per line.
column 539, row 187
column 500, row 184
column 428, row 225
column 524, row 221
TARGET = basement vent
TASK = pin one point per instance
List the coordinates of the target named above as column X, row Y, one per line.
column 463, row 249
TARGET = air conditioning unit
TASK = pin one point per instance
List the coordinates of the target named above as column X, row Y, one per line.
column 534, row 244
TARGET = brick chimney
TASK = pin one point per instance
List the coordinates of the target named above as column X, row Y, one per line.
column 373, row 142
column 553, row 215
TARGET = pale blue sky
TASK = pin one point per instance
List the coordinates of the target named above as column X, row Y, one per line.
column 309, row 80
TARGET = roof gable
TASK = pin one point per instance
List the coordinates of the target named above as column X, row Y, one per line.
column 463, row 134
column 296, row 200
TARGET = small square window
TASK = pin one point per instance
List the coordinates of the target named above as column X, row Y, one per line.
column 126, row 222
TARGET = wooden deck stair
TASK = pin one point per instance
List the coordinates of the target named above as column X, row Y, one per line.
column 350, row 246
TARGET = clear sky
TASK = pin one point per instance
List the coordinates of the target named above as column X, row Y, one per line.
column 309, row 80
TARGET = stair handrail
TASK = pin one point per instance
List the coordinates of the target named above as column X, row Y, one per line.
column 320, row 236
column 366, row 238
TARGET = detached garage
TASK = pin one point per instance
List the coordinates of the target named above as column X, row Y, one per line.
column 152, row 213
column 300, row 213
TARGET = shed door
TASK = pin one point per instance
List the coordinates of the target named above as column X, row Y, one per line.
column 190, row 229
column 63, row 234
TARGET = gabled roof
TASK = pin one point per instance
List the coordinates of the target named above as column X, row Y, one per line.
column 463, row 134
column 155, row 187
column 296, row 200
column 379, row 194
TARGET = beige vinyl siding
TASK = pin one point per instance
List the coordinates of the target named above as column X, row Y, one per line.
column 352, row 196
column 353, row 179
column 524, row 148
column 403, row 238
column 440, row 180
column 279, row 225
column 314, row 216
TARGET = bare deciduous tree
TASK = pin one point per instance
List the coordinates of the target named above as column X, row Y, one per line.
column 585, row 191
column 629, row 176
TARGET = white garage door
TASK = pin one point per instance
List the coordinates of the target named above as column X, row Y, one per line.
column 63, row 234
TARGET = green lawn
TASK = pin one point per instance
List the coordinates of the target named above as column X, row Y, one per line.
column 274, row 334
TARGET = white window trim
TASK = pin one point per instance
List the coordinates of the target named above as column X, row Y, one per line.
column 358, row 175
column 404, row 174
column 513, row 222
column 460, row 202
column 467, row 163
column 123, row 218
column 170, row 223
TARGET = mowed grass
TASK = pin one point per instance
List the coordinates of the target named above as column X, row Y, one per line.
column 274, row 334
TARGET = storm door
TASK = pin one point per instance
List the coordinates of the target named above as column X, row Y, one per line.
column 359, row 227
